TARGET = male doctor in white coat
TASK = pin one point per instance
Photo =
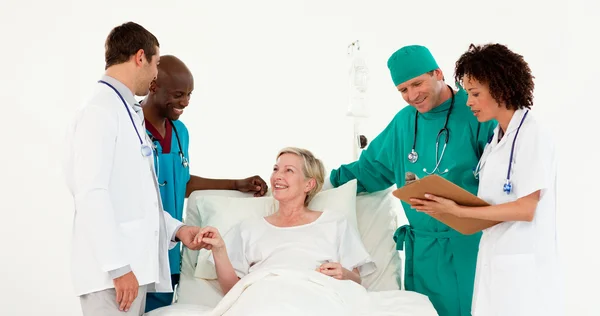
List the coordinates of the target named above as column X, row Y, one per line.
column 121, row 235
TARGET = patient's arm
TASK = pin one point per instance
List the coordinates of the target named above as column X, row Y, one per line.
column 334, row 269
column 225, row 271
column 353, row 275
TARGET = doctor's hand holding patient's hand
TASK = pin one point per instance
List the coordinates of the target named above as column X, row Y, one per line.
column 434, row 205
column 126, row 287
column 187, row 236
column 211, row 238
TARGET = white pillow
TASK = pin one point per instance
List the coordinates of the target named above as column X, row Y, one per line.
column 192, row 290
column 377, row 215
column 223, row 212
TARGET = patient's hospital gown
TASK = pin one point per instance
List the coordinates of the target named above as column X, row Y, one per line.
column 256, row 244
column 440, row 262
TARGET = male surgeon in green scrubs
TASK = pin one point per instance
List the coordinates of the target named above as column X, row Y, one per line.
column 437, row 134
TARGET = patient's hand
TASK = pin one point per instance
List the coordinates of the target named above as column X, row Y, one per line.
column 332, row 269
column 210, row 237
column 186, row 234
column 335, row 270
column 226, row 274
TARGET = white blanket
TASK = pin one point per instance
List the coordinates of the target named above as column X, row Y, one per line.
column 291, row 292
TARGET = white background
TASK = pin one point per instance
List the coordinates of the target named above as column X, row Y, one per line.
column 268, row 74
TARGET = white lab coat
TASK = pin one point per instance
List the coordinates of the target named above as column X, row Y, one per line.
column 119, row 219
column 517, row 267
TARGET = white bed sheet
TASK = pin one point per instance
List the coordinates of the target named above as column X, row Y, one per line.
column 289, row 292
column 378, row 218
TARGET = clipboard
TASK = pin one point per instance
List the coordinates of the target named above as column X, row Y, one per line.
column 438, row 186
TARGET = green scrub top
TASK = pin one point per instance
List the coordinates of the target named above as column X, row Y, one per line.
column 172, row 175
column 440, row 262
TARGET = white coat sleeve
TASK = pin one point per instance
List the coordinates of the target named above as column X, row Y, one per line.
column 93, row 146
column 173, row 226
column 534, row 162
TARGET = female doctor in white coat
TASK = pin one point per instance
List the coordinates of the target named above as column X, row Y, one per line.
column 517, row 266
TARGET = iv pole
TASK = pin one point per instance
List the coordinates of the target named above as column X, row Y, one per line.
column 357, row 107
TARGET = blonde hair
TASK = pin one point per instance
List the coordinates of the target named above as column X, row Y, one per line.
column 312, row 168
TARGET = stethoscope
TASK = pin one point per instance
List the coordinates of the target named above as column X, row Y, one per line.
column 184, row 160
column 507, row 187
column 414, row 156
column 146, row 150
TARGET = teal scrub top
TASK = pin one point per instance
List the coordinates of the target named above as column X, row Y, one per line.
column 172, row 175
column 440, row 262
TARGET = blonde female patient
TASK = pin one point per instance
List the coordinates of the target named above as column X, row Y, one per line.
column 294, row 238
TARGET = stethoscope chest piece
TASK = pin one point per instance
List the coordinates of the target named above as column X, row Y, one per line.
column 184, row 161
column 146, row 151
column 413, row 156
column 507, row 188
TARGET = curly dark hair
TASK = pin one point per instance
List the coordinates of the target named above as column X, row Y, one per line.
column 506, row 73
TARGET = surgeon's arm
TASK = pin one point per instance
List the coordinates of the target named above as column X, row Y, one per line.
column 374, row 170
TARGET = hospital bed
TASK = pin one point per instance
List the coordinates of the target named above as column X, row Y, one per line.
column 374, row 214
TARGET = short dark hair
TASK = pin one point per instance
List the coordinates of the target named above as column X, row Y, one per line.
column 506, row 73
column 125, row 40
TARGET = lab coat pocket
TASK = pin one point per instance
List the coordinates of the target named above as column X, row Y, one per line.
column 513, row 283
column 132, row 234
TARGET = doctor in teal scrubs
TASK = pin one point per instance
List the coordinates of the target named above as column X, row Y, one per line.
column 169, row 96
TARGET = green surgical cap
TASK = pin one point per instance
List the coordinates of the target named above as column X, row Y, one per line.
column 409, row 62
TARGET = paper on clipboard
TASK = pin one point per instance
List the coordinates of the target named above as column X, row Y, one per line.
column 438, row 186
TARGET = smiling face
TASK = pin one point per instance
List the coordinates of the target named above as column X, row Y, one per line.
column 172, row 95
column 148, row 70
column 288, row 182
column 423, row 92
column 171, row 91
column 480, row 100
